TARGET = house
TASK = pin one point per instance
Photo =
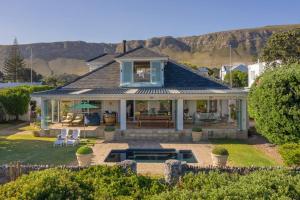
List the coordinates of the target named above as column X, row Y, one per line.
column 226, row 69
column 147, row 94
column 203, row 71
column 254, row 71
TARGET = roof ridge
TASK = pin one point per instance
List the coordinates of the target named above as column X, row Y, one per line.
column 199, row 74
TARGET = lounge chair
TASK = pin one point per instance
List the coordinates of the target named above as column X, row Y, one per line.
column 74, row 139
column 78, row 119
column 61, row 138
column 68, row 119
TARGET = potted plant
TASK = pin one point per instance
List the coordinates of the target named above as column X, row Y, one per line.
column 84, row 155
column 197, row 134
column 109, row 133
column 219, row 156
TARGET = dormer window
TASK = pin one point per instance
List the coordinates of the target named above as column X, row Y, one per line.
column 142, row 73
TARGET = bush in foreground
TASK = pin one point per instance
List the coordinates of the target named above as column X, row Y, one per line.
column 290, row 154
column 104, row 182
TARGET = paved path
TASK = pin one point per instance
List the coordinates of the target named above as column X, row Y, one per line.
column 201, row 152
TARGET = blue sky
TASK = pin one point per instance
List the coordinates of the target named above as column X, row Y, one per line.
column 112, row 20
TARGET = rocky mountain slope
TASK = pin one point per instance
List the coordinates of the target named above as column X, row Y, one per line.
column 204, row 50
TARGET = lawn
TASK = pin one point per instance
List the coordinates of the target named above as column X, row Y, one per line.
column 243, row 154
column 26, row 148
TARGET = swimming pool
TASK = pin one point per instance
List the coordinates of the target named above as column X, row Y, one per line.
column 150, row 155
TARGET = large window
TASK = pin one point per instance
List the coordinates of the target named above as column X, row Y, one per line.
column 207, row 106
column 141, row 71
column 153, row 107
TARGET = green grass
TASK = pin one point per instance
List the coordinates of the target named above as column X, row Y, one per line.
column 243, row 154
column 5, row 125
column 29, row 149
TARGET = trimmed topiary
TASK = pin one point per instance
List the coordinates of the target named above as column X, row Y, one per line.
column 197, row 129
column 84, row 150
column 220, row 151
column 109, row 128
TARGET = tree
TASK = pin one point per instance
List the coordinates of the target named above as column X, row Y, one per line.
column 26, row 74
column 274, row 103
column 283, row 46
column 1, row 76
column 14, row 64
column 60, row 80
column 239, row 79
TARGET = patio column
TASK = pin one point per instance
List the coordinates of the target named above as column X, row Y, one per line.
column 244, row 115
column 179, row 117
column 123, row 114
column 43, row 114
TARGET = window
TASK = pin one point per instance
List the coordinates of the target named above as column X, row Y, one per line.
column 156, row 71
column 127, row 72
column 141, row 71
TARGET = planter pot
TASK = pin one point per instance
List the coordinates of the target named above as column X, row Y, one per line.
column 219, row 160
column 109, row 136
column 198, row 136
column 84, row 159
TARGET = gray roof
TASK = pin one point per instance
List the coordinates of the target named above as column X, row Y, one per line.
column 103, row 58
column 106, row 79
column 130, row 91
column 142, row 52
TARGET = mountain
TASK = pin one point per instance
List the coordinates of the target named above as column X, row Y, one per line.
column 210, row 50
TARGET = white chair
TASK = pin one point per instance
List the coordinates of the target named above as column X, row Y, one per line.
column 61, row 138
column 74, row 139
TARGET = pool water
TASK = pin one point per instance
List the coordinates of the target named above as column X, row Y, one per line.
column 150, row 155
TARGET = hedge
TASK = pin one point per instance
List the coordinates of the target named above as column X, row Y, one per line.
column 15, row 100
column 104, row 182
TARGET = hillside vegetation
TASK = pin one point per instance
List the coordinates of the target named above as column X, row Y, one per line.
column 204, row 50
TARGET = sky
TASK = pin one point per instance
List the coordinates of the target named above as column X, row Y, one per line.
column 33, row 21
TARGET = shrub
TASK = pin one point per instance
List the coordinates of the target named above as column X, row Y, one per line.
column 109, row 128
column 197, row 129
column 84, row 150
column 16, row 100
column 275, row 184
column 274, row 103
column 48, row 184
column 290, row 154
column 220, row 151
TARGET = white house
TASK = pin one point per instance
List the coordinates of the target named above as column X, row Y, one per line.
column 254, row 71
column 226, row 69
column 203, row 71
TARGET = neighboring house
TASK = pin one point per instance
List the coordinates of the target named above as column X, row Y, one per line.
column 254, row 71
column 226, row 69
column 15, row 84
column 147, row 90
column 203, row 71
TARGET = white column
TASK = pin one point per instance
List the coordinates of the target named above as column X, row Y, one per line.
column 244, row 115
column 229, row 111
column 52, row 109
column 43, row 117
column 123, row 114
column 179, row 118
